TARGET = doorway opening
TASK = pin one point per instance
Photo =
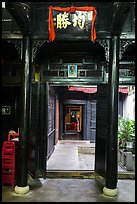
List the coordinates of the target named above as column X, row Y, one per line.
column 87, row 58
column 73, row 122
column 74, row 148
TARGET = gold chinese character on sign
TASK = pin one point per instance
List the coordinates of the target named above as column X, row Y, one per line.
column 63, row 20
column 79, row 20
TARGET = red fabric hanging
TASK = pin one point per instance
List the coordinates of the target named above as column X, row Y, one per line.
column 83, row 89
column 71, row 9
column 123, row 90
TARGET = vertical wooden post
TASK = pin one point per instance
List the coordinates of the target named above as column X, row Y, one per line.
column 111, row 161
column 46, row 123
column 22, row 177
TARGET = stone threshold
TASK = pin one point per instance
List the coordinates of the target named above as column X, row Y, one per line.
column 84, row 174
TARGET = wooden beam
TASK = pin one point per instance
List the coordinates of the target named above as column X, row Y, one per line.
column 18, row 13
column 120, row 13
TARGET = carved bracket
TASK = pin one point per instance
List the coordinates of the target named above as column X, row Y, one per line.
column 35, row 45
column 105, row 43
column 124, row 44
column 18, row 46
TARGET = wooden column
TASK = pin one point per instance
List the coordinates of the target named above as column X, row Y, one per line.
column 46, row 124
column 111, row 163
column 22, row 178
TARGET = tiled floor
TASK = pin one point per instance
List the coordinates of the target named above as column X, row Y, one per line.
column 73, row 155
column 70, row 190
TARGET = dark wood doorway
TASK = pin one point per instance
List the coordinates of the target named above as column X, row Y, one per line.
column 73, row 122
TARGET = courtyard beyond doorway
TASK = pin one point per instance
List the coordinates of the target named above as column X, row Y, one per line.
column 73, row 155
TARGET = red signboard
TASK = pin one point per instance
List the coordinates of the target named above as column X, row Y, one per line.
column 63, row 19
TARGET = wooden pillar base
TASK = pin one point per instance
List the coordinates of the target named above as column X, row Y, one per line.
column 21, row 190
column 110, row 192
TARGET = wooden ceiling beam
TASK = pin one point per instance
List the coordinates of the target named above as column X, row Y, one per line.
column 19, row 14
column 120, row 13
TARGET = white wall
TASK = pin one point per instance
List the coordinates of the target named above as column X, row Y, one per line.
column 129, row 106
